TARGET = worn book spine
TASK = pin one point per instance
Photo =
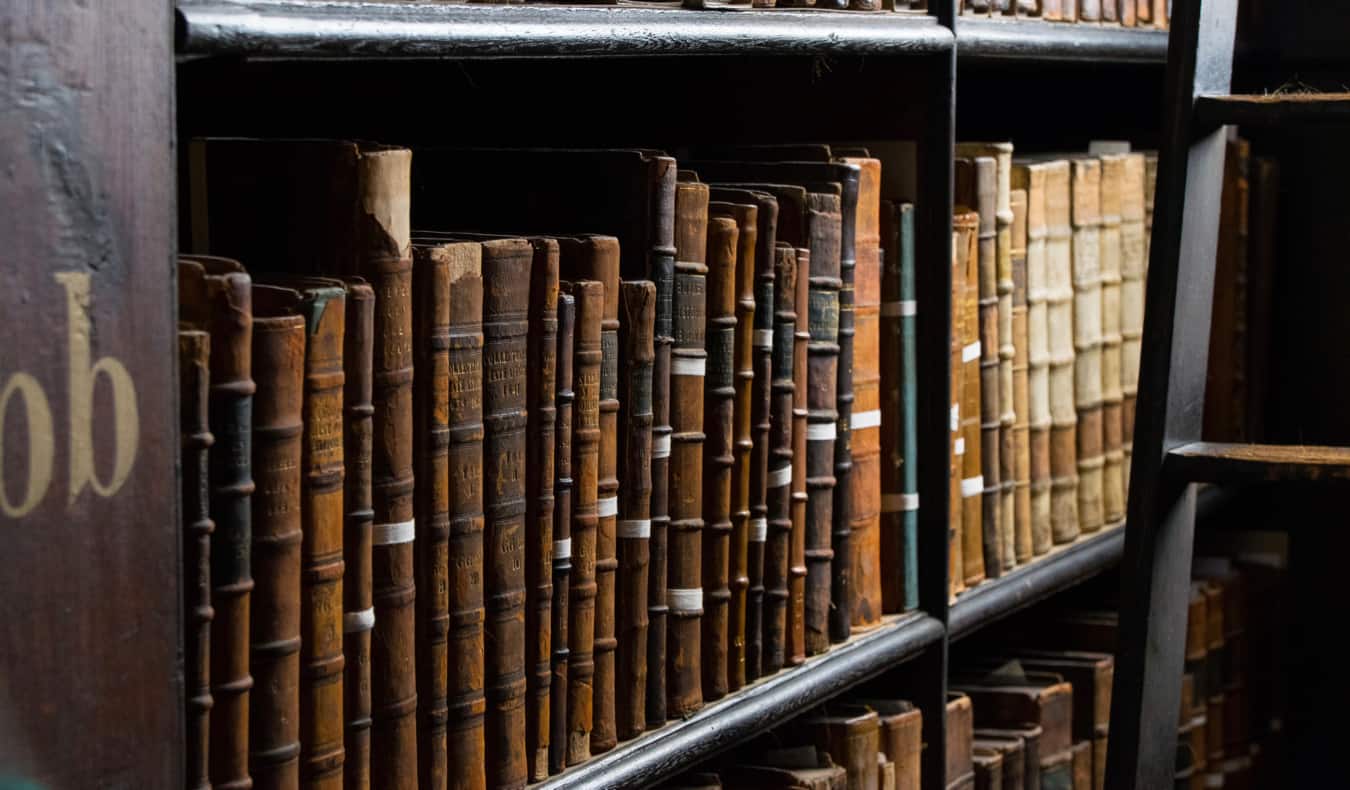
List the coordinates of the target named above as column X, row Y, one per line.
column 1132, row 260
column 761, row 423
column 852, row 738
column 1263, row 217
column 1226, row 378
column 1030, row 178
column 969, row 448
column 1109, row 11
column 956, row 386
column 684, row 593
column 901, row 739
column 274, row 651
column 800, row 499
column 637, row 352
column 541, row 412
column 1113, row 475
column 778, row 480
column 358, row 612
column 562, row 534
column 1086, row 177
column 1023, row 542
column 1128, row 13
column 899, row 412
column 590, row 301
column 1059, row 298
column 194, row 385
column 840, row 616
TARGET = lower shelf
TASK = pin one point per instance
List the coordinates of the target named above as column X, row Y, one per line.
column 677, row 746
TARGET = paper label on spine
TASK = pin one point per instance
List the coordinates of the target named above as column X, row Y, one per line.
column 759, row 530
column 684, row 366
column 354, row 622
column 959, row 446
column 820, row 432
column 972, row 486
column 865, row 419
column 971, row 352
column 562, row 549
column 780, row 477
column 901, row 309
column 764, row 338
column 609, row 506
column 661, row 446
column 684, row 600
column 391, row 534
column 956, row 416
column 899, row 503
column 635, row 529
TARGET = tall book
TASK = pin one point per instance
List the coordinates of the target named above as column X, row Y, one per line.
column 1012, row 754
column 1132, row 261
column 684, row 578
column 562, row 534
column 899, row 412
column 1086, row 174
column 274, row 638
column 778, row 481
column 590, row 303
column 718, row 453
column 977, row 187
column 636, row 352
column 597, row 258
column 1060, row 326
column 194, row 390
column 1112, row 253
column 851, row 735
column 901, row 738
column 956, row 450
column 1226, row 379
column 1023, row 540
column 988, row 768
column 968, row 445
column 217, row 296
column 1263, row 214
column 841, row 534
column 959, row 721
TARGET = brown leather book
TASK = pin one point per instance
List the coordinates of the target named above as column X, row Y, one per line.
column 216, row 295
column 901, row 738
column 988, row 768
column 797, row 569
column 899, row 473
column 1023, row 740
column 718, row 453
column 977, row 187
column 960, row 730
column 1226, row 379
column 1087, row 338
column 562, row 535
column 1263, row 219
column 852, row 737
column 1091, row 675
column 1110, row 13
column 1053, row 10
column 1128, row 13
column 274, row 654
column 778, row 480
column 956, row 460
column 1012, row 755
column 1090, row 10
column 841, row 534
column 793, row 768
column 636, row 352
column 1082, row 765
column 968, row 446
column 1042, row 699
column 358, row 608
column 597, row 258
column 1132, row 263
column 194, row 386
column 1023, row 542
column 684, row 594
column 590, row 301
column 1112, row 255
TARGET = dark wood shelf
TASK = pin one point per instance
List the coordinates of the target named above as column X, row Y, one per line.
column 662, row 753
column 1059, row 570
column 1014, row 39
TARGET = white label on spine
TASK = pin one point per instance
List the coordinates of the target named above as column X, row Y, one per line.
column 390, row 534
column 956, row 416
column 865, row 419
column 353, row 622
column 901, row 309
column 780, row 477
column 684, row 366
column 820, row 432
column 971, row 352
column 636, row 529
column 609, row 506
column 959, row 446
column 759, row 530
column 764, row 338
column 899, row 503
column 562, row 549
column 680, row 600
column 661, row 446
column 972, row 486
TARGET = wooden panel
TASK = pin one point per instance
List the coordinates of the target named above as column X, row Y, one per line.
column 1220, row 462
column 1272, row 109
column 89, row 670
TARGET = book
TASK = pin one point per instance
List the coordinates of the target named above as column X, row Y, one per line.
column 1023, row 740
column 1087, row 338
column 1112, row 254
column 851, row 736
column 791, row 768
column 778, row 481
column 960, row 730
column 1262, row 213
column 217, row 296
column 901, row 739
column 899, row 413
column 637, row 352
column 842, row 581
column 1132, row 263
column 194, row 391
column 1225, row 419
column 274, row 633
column 956, row 388
column 1042, row 699
column 590, row 300
column 969, row 446
column 1024, row 545
column 1060, row 328
column 562, row 534
column 988, row 765
column 1082, row 765
column 1091, row 675
column 797, row 569
column 1011, row 759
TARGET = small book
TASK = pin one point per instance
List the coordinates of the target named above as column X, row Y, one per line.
column 1024, row 545
column 1024, row 740
column 1012, row 759
column 960, row 731
column 988, row 767
column 851, row 735
column 899, row 413
column 778, row 481
column 562, row 534
column 901, row 739
column 1082, row 765
column 969, row 447
column 1042, row 699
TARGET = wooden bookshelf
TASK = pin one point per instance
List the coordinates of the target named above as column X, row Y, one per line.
column 1052, row 42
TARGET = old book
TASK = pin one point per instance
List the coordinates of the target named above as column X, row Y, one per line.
column 1082, row 765
column 960, row 730
column 1012, row 756
column 841, row 538
column 797, row 569
column 1038, row 698
column 1262, row 217
column 956, row 460
column 852, row 737
column 1023, row 543
column 1129, row 15
column 1023, row 739
column 977, row 187
column 636, row 352
column 1132, row 263
column 791, row 768
column 968, row 446
column 901, row 738
column 216, row 295
column 590, row 301
column 1087, row 338
column 274, row 633
column 596, row 258
column 1091, row 10
column 1109, row 11
column 1053, row 10
column 899, row 568
column 1091, row 675
column 778, row 480
column 1226, row 379
column 1112, row 254
column 562, row 534
column 194, row 386
column 684, row 593
column 988, row 767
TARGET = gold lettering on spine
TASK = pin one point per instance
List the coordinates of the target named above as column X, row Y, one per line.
column 41, row 443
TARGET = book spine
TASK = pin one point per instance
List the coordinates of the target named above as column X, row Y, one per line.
column 900, row 492
column 800, row 498
column 194, row 386
column 1131, row 301
column 761, row 408
column 1128, row 13
column 604, row 735
column 687, row 366
column 747, row 219
column 840, row 616
column 1059, row 299
column 541, row 395
column 1007, row 417
column 1032, row 178
column 969, row 446
column 778, row 480
column 586, row 473
column 358, row 612
column 1087, row 338
column 1113, row 476
column 1023, row 548
column 637, row 352
column 562, row 535
column 506, row 300
column 274, row 638
column 956, row 468
column 321, row 659
column 823, row 416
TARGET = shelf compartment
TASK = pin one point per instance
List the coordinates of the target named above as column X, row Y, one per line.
column 1034, row 40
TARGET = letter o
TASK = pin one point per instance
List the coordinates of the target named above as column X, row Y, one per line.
column 41, row 443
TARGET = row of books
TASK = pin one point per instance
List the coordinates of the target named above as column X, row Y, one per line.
column 520, row 497
column 1127, row 13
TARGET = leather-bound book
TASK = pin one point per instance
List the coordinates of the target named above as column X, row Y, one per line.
column 841, row 536
column 1022, row 740
column 957, row 443
column 590, row 302
column 194, row 385
column 1109, row 11
column 1215, row 658
column 792, row 768
column 797, row 570
column 988, row 767
column 746, row 219
column 1091, row 675
column 976, row 186
column 1226, row 379
column 1023, row 542
column 1128, row 13
column 358, row 608
column 1263, row 219
column 684, row 592
column 1030, row 177
column 1132, row 262
column 1012, row 759
column 562, row 534
column 1087, row 338
column 852, row 737
column 636, row 353
column 778, row 480
column 901, row 738
column 597, row 258
column 968, row 445
column 274, row 638
column 1082, row 765
column 1090, row 10
column 1113, row 426
column 899, row 413
column 960, row 730
column 1042, row 699
column 1053, row 10
column 718, row 452
column 216, row 295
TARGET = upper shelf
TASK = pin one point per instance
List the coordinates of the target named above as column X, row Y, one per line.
column 1026, row 39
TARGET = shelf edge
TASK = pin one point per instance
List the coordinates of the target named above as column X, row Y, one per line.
column 1031, row 40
